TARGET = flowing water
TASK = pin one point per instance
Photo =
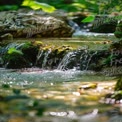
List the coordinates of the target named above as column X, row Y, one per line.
column 59, row 92
column 66, row 95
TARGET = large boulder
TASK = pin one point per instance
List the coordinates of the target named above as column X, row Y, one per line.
column 103, row 24
column 33, row 24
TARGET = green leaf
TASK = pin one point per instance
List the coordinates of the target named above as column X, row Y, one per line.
column 79, row 5
column 37, row 5
column 89, row 19
column 14, row 50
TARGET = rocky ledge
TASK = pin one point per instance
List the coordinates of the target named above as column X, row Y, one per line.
column 29, row 23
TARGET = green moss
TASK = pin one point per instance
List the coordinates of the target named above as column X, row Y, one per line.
column 118, row 85
column 19, row 55
column 118, row 34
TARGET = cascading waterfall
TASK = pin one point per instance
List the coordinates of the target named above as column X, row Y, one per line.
column 90, row 58
column 72, row 60
column 86, row 58
column 42, row 57
column 61, row 58
column 65, row 61
column 80, row 59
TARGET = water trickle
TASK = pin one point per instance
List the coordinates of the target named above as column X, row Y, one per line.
column 65, row 61
column 40, row 53
column 89, row 59
column 46, row 54
column 74, row 25
column 76, row 59
column 79, row 59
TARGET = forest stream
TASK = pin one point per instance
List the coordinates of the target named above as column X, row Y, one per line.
column 60, row 60
column 64, row 93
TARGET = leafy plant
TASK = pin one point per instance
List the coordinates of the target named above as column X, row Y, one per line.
column 14, row 50
column 79, row 5
column 14, row 58
column 107, row 61
column 89, row 19
column 37, row 5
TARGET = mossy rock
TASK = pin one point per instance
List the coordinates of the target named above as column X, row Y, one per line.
column 19, row 55
column 29, row 54
column 103, row 24
column 118, row 31
column 38, row 24
column 50, row 56
column 118, row 85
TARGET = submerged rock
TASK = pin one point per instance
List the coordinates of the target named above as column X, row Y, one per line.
column 88, row 86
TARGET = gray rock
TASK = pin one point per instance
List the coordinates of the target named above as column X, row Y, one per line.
column 33, row 24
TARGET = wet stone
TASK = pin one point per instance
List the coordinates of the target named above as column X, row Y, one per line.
column 33, row 24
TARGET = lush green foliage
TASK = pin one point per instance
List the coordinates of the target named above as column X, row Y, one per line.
column 37, row 5
column 94, row 6
column 14, row 50
column 89, row 19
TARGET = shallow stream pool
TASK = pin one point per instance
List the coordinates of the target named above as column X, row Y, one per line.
column 65, row 96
